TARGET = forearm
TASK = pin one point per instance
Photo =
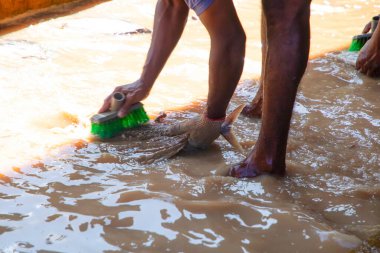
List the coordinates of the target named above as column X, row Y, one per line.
column 169, row 23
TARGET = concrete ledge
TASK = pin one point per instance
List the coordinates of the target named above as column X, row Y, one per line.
column 11, row 8
column 16, row 14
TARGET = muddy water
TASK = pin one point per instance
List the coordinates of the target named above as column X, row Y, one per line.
column 59, row 192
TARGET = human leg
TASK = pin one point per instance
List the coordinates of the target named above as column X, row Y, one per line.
column 288, row 35
column 254, row 109
column 226, row 54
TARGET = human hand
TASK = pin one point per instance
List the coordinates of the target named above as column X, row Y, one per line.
column 134, row 92
column 371, row 26
column 367, row 28
column 368, row 61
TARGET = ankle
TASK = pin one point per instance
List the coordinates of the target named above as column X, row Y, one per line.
column 268, row 165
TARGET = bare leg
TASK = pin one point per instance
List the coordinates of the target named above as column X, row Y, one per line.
column 226, row 55
column 288, row 48
column 254, row 109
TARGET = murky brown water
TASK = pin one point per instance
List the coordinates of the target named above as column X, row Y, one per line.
column 60, row 193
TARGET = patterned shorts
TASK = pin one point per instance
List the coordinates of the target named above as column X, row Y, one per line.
column 199, row 6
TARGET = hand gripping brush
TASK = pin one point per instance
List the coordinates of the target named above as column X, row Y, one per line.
column 358, row 41
column 107, row 124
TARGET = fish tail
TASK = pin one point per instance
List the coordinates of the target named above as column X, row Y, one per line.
column 226, row 129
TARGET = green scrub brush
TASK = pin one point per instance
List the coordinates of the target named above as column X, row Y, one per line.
column 107, row 124
column 358, row 41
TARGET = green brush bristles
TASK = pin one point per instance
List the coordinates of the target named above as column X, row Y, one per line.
column 358, row 42
column 113, row 127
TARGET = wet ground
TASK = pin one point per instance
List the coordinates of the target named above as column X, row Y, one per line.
column 61, row 193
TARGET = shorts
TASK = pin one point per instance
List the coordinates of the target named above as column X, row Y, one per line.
column 199, row 6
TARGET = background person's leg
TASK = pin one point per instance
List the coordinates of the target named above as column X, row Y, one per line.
column 288, row 40
column 226, row 55
column 255, row 108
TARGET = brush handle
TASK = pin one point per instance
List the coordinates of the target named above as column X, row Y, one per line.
column 117, row 101
column 374, row 22
column 110, row 115
column 103, row 117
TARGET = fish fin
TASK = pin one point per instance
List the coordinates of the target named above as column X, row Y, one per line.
column 226, row 129
column 231, row 118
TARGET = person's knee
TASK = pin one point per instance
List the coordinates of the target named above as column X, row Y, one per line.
column 224, row 27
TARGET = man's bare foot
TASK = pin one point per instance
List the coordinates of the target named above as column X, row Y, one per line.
column 244, row 170
column 253, row 110
column 248, row 168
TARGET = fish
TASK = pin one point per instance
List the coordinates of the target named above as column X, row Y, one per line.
column 156, row 141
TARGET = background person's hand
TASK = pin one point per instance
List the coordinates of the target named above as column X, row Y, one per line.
column 368, row 61
column 134, row 92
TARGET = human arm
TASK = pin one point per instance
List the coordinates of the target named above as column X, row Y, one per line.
column 169, row 22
